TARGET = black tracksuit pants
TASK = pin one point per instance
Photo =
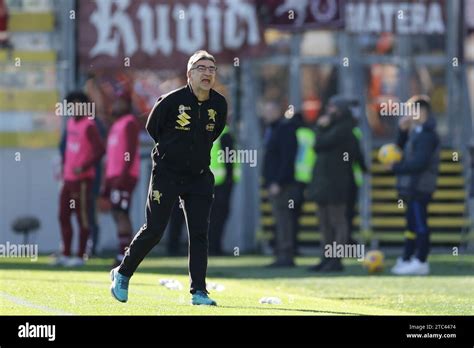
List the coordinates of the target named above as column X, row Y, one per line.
column 198, row 194
column 175, row 228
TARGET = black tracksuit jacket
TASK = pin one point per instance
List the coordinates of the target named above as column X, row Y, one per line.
column 184, row 129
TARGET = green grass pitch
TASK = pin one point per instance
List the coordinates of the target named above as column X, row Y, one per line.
column 35, row 288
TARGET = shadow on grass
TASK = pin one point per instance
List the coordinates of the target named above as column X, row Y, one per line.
column 236, row 270
column 292, row 310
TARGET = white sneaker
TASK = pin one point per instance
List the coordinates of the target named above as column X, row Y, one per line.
column 60, row 260
column 414, row 267
column 400, row 264
column 74, row 261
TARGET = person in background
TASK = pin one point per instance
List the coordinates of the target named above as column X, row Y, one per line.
column 278, row 173
column 225, row 174
column 417, row 175
column 332, row 175
column 359, row 168
column 96, row 185
column 305, row 160
column 94, row 237
column 83, row 150
column 4, row 36
column 122, row 169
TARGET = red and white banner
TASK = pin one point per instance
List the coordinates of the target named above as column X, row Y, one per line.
column 163, row 34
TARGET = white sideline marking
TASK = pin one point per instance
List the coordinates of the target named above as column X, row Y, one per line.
column 22, row 302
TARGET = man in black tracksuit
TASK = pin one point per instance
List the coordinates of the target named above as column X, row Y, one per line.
column 184, row 124
column 417, row 175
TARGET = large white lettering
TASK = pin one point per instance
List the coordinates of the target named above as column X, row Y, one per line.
column 162, row 42
column 105, row 21
column 166, row 27
column 190, row 29
column 233, row 37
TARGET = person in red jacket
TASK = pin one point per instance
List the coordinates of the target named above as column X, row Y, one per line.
column 4, row 38
column 84, row 148
column 122, row 169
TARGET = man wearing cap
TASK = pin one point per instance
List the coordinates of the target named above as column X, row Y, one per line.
column 184, row 124
column 417, row 175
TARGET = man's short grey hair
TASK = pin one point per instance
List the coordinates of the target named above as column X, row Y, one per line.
column 200, row 55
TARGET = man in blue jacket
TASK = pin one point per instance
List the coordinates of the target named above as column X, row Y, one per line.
column 416, row 182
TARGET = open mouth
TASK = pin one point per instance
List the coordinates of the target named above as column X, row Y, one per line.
column 206, row 80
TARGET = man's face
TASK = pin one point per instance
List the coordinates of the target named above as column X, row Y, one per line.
column 420, row 117
column 332, row 111
column 203, row 75
column 270, row 112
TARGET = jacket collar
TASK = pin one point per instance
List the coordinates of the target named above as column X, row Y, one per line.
column 190, row 91
column 429, row 125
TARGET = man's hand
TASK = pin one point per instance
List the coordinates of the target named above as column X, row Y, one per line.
column 323, row 120
column 274, row 189
column 405, row 123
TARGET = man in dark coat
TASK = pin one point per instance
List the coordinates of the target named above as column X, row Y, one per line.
column 278, row 173
column 334, row 147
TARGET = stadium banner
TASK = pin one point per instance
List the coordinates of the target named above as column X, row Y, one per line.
column 469, row 15
column 302, row 14
column 356, row 16
column 163, row 34
column 397, row 17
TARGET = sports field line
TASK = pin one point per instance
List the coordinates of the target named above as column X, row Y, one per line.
column 25, row 303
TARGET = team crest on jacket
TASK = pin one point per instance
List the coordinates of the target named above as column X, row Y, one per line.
column 157, row 196
column 183, row 118
column 212, row 115
column 210, row 127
